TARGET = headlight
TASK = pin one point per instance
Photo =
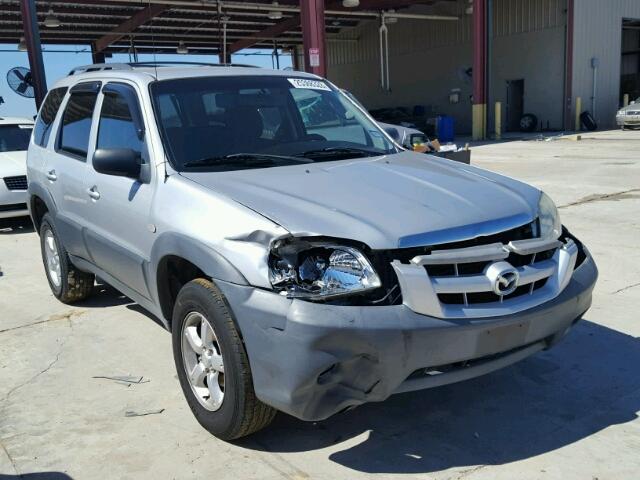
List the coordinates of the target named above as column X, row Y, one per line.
column 621, row 112
column 548, row 218
column 302, row 269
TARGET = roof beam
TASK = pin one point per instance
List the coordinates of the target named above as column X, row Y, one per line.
column 272, row 31
column 128, row 26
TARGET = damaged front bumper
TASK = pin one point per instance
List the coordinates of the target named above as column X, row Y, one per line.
column 312, row 360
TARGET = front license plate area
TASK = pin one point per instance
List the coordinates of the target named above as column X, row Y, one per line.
column 503, row 338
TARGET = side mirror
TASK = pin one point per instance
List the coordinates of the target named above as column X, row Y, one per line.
column 120, row 162
column 632, row 102
column 393, row 133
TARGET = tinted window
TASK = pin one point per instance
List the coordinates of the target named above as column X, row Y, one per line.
column 76, row 123
column 47, row 115
column 116, row 128
column 14, row 138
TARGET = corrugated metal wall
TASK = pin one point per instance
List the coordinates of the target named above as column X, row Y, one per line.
column 427, row 57
column 520, row 16
column 511, row 17
column 598, row 33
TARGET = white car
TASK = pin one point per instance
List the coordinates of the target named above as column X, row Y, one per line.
column 15, row 133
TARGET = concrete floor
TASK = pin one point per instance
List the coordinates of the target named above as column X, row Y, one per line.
column 569, row 413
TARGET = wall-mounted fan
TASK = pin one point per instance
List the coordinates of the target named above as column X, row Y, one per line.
column 20, row 81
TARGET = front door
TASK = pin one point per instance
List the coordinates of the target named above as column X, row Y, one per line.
column 119, row 237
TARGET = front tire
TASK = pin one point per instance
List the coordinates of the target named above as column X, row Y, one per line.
column 212, row 364
column 68, row 284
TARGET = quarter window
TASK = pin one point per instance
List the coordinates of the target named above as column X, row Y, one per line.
column 76, row 123
column 117, row 128
column 42, row 129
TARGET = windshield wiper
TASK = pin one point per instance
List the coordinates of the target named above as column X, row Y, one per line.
column 248, row 159
column 351, row 152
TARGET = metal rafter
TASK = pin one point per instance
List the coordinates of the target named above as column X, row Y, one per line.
column 128, row 26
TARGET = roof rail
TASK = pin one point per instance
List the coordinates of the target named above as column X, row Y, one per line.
column 96, row 67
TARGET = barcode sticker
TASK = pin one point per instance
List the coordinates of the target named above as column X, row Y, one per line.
column 309, row 84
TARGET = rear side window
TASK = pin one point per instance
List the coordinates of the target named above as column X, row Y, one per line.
column 76, row 124
column 42, row 129
column 117, row 128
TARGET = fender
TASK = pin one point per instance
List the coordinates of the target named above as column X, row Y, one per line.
column 211, row 262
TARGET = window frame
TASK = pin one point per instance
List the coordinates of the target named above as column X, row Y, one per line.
column 130, row 96
column 65, row 90
column 82, row 88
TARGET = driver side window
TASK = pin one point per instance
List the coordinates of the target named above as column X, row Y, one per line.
column 117, row 128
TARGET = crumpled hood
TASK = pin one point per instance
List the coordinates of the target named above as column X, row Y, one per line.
column 393, row 201
column 13, row 163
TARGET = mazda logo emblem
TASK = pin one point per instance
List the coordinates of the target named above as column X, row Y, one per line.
column 506, row 283
column 503, row 277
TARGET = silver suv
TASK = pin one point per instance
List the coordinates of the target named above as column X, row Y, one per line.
column 302, row 260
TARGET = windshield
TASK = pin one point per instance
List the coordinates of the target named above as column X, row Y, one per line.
column 14, row 138
column 231, row 123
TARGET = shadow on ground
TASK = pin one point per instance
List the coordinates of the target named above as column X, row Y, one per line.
column 16, row 226
column 587, row 383
column 105, row 295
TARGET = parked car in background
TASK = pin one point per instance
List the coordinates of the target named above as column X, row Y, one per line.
column 629, row 116
column 14, row 141
column 303, row 261
column 401, row 134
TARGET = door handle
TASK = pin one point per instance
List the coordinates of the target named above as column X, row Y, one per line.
column 94, row 193
column 51, row 175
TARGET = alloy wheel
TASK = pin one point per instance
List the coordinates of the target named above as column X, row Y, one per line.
column 202, row 360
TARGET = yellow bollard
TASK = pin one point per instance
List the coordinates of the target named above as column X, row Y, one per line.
column 479, row 129
column 498, row 120
column 578, row 112
column 625, row 100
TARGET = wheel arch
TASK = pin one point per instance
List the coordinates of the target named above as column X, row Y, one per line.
column 178, row 260
column 40, row 202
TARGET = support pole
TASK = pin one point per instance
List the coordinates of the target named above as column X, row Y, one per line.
column 313, row 35
column 96, row 57
column 34, row 49
column 498, row 120
column 568, row 68
column 625, row 100
column 479, row 69
column 295, row 58
column 578, row 112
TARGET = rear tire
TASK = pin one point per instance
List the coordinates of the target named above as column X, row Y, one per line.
column 219, row 385
column 68, row 284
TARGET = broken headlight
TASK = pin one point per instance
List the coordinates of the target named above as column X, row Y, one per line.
column 548, row 218
column 316, row 271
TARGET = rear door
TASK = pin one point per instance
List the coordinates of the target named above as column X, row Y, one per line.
column 119, row 237
column 66, row 165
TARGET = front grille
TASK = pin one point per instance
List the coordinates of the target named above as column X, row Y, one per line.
column 508, row 273
column 633, row 112
column 13, row 207
column 478, row 268
column 16, row 183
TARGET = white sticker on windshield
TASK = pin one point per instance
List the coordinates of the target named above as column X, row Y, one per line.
column 309, row 84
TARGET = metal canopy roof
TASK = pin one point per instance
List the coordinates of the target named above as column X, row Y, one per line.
column 158, row 25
